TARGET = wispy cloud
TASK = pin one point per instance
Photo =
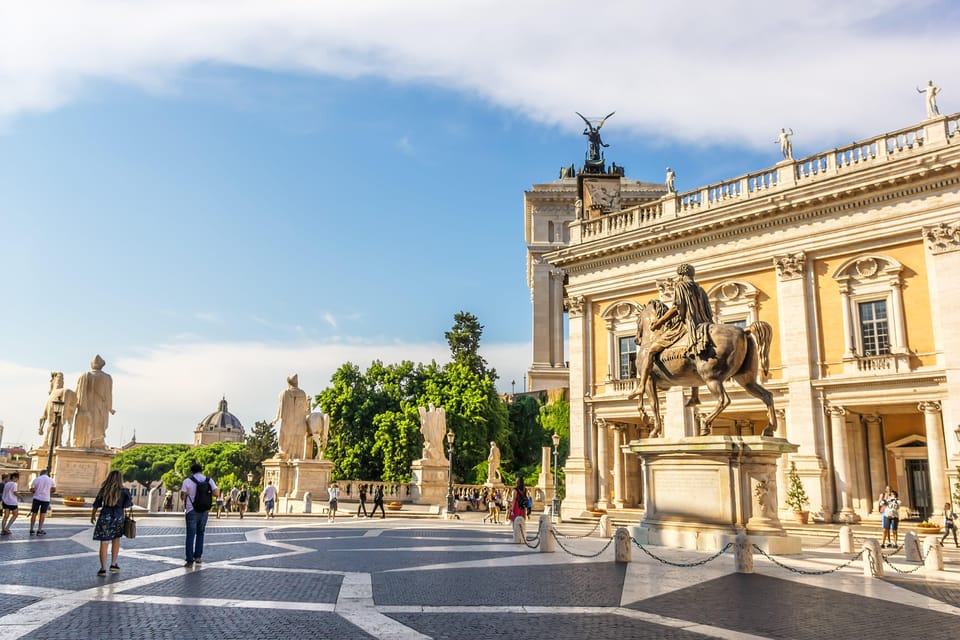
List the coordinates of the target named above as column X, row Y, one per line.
column 329, row 319
column 697, row 71
column 163, row 392
column 405, row 146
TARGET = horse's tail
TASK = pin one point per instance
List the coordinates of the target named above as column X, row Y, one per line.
column 762, row 332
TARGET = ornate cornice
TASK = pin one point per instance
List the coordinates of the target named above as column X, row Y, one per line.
column 942, row 238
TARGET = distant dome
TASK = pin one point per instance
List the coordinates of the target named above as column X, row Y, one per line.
column 219, row 426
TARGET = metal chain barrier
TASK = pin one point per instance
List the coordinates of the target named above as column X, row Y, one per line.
column 580, row 555
column 682, row 564
column 572, row 537
column 827, row 543
column 806, row 572
column 908, row 571
column 533, row 542
column 869, row 552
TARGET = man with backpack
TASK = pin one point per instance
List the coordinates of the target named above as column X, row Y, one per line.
column 198, row 493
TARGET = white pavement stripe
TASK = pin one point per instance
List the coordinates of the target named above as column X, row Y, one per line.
column 355, row 604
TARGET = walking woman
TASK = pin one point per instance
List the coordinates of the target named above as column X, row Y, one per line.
column 111, row 500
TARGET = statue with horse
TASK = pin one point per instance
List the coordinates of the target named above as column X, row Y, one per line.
column 682, row 346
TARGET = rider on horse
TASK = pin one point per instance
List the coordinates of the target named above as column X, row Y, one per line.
column 691, row 308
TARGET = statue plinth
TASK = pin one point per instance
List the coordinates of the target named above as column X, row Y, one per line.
column 293, row 478
column 77, row 472
column 429, row 481
column 699, row 493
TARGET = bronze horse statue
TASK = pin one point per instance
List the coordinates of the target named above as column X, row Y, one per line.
column 732, row 352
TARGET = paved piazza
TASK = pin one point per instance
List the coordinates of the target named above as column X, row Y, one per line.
column 410, row 578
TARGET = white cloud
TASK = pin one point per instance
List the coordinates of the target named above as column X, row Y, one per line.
column 405, row 146
column 163, row 392
column 330, row 319
column 694, row 71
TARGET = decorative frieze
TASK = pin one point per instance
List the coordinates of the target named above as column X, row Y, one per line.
column 790, row 266
column 942, row 238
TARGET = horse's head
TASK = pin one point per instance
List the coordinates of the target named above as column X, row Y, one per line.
column 648, row 313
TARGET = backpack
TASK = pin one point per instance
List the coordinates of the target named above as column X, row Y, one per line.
column 203, row 497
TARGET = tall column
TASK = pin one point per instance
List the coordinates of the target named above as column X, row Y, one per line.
column 543, row 311
column 799, row 354
column 939, row 491
column 578, row 469
column 618, row 479
column 849, row 349
column 841, row 462
column 556, row 318
column 782, row 462
column 876, row 458
column 603, row 466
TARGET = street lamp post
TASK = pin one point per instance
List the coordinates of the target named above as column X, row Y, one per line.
column 55, row 434
column 450, row 508
column 555, row 509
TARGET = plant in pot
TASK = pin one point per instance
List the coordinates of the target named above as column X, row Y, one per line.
column 796, row 495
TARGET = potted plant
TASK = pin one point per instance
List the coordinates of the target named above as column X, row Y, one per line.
column 927, row 527
column 73, row 501
column 797, row 496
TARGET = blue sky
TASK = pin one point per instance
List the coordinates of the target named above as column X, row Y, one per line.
column 215, row 199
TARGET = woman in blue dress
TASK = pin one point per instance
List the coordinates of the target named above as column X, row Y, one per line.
column 112, row 500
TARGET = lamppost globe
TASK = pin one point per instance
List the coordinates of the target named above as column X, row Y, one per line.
column 249, row 476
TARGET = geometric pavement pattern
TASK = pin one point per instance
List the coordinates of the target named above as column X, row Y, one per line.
column 401, row 578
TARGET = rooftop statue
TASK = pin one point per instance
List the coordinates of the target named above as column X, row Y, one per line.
column 671, row 177
column 932, row 109
column 593, row 137
column 682, row 346
column 786, row 145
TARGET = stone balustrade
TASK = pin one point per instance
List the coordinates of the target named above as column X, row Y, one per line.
column 392, row 491
column 787, row 174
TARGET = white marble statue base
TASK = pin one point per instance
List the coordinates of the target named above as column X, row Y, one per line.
column 77, row 472
column 429, row 484
column 700, row 492
column 294, row 478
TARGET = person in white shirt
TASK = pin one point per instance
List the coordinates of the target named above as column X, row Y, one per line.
column 269, row 498
column 196, row 520
column 334, row 492
column 41, row 488
column 11, row 504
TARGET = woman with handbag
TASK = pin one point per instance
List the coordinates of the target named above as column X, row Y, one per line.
column 111, row 501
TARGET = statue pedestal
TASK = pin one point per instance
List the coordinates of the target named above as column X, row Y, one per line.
column 294, row 478
column 429, row 482
column 701, row 492
column 77, row 472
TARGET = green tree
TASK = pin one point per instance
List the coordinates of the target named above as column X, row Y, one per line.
column 464, row 341
column 147, row 463
column 261, row 445
column 555, row 418
column 226, row 462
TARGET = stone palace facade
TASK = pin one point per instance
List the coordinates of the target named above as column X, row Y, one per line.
column 852, row 255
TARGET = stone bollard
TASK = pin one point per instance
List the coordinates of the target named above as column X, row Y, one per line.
column 872, row 559
column 604, row 526
column 308, row 502
column 547, row 543
column 846, row 539
column 624, row 552
column 519, row 530
column 742, row 554
column 911, row 547
column 932, row 553
column 153, row 502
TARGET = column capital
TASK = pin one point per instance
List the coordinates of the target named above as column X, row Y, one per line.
column 942, row 238
column 790, row 266
column 601, row 423
column 574, row 305
column 929, row 406
column 836, row 410
column 871, row 419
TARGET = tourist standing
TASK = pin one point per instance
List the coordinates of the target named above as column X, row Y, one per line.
column 112, row 499
column 891, row 511
column 11, row 504
column 41, row 488
column 363, row 501
column 242, row 499
column 882, row 506
column 269, row 498
column 949, row 524
column 333, row 493
column 232, row 500
column 196, row 492
column 378, row 503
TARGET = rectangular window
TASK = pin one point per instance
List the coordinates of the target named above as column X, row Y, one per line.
column 627, row 348
column 874, row 330
column 737, row 323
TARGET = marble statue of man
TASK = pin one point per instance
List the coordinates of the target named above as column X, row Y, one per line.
column 433, row 426
column 493, row 465
column 931, row 90
column 671, row 177
column 57, row 394
column 292, row 415
column 786, row 145
column 94, row 407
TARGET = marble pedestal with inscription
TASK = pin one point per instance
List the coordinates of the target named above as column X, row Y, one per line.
column 699, row 493
column 294, row 478
column 429, row 484
column 77, row 472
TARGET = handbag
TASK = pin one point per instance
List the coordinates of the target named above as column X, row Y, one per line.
column 129, row 526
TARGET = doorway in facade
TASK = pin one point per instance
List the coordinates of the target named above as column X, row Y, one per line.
column 918, row 488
